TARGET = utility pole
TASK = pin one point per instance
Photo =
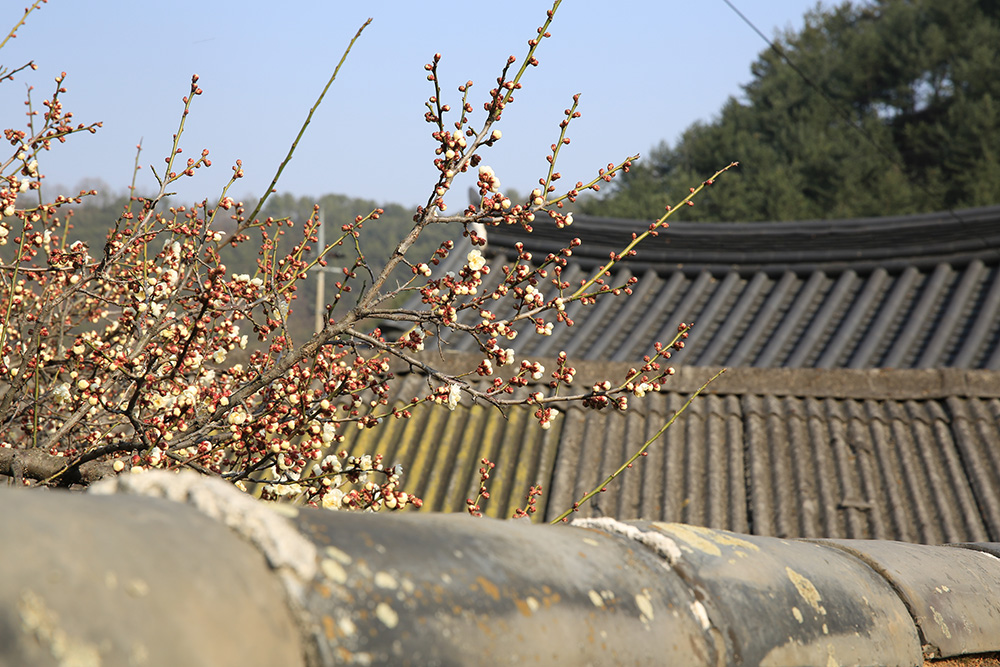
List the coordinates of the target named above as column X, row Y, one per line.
column 321, row 272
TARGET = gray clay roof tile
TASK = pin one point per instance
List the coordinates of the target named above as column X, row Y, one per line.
column 862, row 400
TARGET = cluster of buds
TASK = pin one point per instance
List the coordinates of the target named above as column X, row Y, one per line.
column 533, row 369
column 448, row 395
column 346, row 482
column 563, row 374
column 545, row 415
column 534, row 493
column 503, row 356
column 488, row 181
column 413, row 339
column 472, row 506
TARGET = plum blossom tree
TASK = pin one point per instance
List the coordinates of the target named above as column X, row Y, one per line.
column 119, row 359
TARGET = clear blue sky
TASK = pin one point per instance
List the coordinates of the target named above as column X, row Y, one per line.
column 646, row 69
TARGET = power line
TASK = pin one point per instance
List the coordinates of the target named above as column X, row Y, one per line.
column 839, row 110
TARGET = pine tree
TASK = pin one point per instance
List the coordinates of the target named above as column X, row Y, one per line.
column 890, row 107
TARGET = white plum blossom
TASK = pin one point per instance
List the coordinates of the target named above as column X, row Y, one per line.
column 333, row 500
column 189, row 396
column 61, row 393
column 155, row 456
column 284, row 490
column 476, row 260
column 454, row 394
column 237, row 417
column 158, row 401
column 641, row 389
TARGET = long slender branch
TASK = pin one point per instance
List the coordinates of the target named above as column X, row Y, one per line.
column 603, row 485
column 13, row 31
column 302, row 130
column 638, row 239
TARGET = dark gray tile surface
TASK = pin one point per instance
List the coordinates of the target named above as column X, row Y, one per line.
column 907, row 292
column 946, row 590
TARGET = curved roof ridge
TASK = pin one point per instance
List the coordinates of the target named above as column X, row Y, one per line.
column 956, row 237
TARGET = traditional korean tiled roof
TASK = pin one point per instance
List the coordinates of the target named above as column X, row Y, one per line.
column 919, row 291
column 862, row 400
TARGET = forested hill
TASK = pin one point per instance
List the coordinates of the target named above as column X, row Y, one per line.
column 887, row 107
column 93, row 218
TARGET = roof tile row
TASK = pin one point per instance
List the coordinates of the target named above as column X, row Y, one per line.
column 785, row 465
column 837, row 299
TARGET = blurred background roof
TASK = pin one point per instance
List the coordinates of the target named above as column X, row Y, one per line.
column 919, row 291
